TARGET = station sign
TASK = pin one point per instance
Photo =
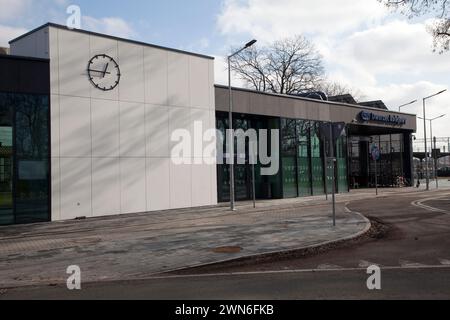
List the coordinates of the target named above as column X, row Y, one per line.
column 367, row 116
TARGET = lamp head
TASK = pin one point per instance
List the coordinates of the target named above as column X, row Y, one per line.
column 248, row 45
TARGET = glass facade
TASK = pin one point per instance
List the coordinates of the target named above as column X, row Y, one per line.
column 267, row 187
column 302, row 161
column 390, row 168
column 24, row 158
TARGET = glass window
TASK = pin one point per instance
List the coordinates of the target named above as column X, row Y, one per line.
column 24, row 158
column 32, row 153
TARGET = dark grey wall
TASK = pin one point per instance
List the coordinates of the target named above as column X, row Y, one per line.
column 252, row 102
column 24, row 75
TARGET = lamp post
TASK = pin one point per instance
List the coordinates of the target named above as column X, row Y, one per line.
column 434, row 157
column 406, row 104
column 230, row 126
column 425, row 135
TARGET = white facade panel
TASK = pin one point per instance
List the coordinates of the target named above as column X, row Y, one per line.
column 157, row 131
column 156, row 77
column 105, row 186
column 158, row 184
column 105, row 128
column 33, row 45
column 75, row 187
column 132, row 129
column 111, row 150
column 131, row 62
column 199, row 82
column 180, row 185
column 54, row 124
column 75, row 126
column 201, row 191
column 133, row 185
column 56, row 189
column 179, row 120
column 73, row 61
column 54, row 60
column 178, row 75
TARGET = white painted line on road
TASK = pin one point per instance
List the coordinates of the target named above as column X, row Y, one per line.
column 252, row 273
column 407, row 263
column 328, row 266
column 419, row 204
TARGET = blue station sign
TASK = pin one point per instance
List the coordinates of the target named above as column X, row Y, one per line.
column 367, row 116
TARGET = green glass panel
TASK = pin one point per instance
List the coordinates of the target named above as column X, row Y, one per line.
column 289, row 177
column 304, row 174
column 304, row 165
column 317, row 176
column 342, row 165
column 342, row 175
column 316, row 162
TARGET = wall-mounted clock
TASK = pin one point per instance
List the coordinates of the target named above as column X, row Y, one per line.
column 104, row 72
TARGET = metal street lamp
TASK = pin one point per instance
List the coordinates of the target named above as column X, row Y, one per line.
column 230, row 126
column 431, row 133
column 406, row 104
column 425, row 135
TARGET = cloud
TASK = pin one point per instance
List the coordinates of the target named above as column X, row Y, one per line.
column 268, row 20
column 8, row 33
column 392, row 48
column 111, row 25
column 10, row 9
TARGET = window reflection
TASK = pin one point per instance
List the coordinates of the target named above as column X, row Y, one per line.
column 24, row 176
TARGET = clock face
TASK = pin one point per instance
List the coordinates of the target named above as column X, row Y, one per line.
column 104, row 72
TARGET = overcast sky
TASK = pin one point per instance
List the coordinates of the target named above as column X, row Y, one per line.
column 365, row 46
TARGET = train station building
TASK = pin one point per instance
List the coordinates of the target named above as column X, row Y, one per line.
column 86, row 126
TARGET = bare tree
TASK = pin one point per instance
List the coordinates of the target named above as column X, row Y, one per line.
column 289, row 66
column 331, row 88
column 440, row 29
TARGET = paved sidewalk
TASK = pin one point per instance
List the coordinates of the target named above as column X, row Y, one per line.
column 141, row 245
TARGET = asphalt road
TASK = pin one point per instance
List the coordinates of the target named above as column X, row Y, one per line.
column 414, row 257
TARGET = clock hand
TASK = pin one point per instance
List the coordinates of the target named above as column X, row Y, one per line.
column 106, row 68
column 99, row 71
